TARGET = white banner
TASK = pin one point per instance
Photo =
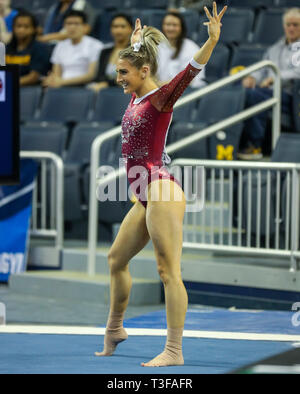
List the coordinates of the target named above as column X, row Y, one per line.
column 2, row 86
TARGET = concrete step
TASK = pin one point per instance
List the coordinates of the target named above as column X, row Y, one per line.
column 77, row 285
column 142, row 266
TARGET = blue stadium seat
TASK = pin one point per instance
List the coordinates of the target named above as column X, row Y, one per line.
column 153, row 18
column 29, row 102
column 236, row 26
column 215, row 107
column 43, row 137
column 101, row 30
column 44, row 4
column 217, row 67
column 185, row 113
column 197, row 150
column 22, row 4
column 107, row 4
column 286, row 3
column 66, row 105
column 76, row 161
column 245, row 55
column 251, row 3
column 287, row 148
column 32, row 5
column 111, row 104
column 41, row 15
column 110, row 211
column 142, row 14
column 296, row 105
column 220, row 104
column 82, row 137
column 268, row 28
column 143, row 4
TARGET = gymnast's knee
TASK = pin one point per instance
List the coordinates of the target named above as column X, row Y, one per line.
column 116, row 264
column 168, row 276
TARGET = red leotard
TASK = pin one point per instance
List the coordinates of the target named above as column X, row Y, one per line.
column 145, row 125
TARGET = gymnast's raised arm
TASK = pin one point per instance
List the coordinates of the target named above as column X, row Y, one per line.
column 214, row 30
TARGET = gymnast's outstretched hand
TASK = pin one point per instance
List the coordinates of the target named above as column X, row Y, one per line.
column 214, row 24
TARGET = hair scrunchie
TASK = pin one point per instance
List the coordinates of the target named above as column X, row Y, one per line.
column 137, row 46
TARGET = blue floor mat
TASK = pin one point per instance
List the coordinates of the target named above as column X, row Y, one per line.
column 74, row 354
column 271, row 322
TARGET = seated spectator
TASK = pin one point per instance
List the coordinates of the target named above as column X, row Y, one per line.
column 259, row 84
column 23, row 49
column 121, row 28
column 173, row 59
column 196, row 5
column 54, row 23
column 75, row 59
column 8, row 14
column 4, row 35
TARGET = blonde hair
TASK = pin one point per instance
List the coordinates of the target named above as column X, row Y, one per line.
column 147, row 54
column 291, row 12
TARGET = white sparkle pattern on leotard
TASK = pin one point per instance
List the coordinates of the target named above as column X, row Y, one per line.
column 134, row 132
column 131, row 123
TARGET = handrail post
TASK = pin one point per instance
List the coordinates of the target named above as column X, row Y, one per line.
column 295, row 218
column 59, row 165
column 60, row 202
column 93, row 202
column 276, row 111
column 93, row 209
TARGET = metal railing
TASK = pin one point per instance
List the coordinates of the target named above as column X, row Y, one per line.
column 274, row 102
column 48, row 195
column 251, row 208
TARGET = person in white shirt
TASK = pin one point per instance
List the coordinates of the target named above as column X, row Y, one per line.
column 174, row 58
column 75, row 59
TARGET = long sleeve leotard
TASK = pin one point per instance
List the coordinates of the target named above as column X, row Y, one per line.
column 145, row 126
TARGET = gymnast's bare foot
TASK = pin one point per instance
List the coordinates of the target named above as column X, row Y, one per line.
column 111, row 341
column 165, row 359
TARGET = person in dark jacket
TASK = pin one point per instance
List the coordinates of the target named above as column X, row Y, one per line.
column 121, row 28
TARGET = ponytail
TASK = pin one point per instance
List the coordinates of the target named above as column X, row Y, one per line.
column 147, row 50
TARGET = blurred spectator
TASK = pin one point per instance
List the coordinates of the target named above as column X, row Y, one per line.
column 173, row 59
column 7, row 14
column 74, row 59
column 196, row 5
column 54, row 24
column 23, row 49
column 121, row 28
column 259, row 84
column 4, row 35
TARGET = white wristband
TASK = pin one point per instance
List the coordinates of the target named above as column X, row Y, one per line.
column 197, row 65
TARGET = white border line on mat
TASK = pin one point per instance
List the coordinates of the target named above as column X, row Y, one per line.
column 83, row 330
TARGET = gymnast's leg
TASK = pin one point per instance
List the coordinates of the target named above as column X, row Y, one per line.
column 132, row 237
column 164, row 221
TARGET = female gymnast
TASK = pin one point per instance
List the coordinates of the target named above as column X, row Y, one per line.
column 144, row 128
